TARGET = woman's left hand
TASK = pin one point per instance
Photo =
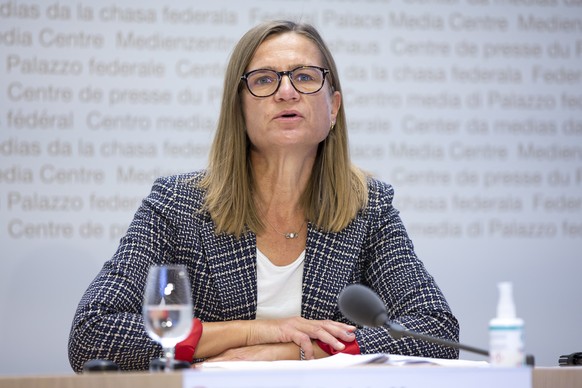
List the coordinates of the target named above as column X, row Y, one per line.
column 302, row 332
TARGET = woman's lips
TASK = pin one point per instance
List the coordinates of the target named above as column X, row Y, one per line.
column 288, row 115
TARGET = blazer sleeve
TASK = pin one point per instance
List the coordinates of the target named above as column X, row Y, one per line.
column 395, row 273
column 108, row 323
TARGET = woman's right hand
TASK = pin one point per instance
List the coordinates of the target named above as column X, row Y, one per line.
column 300, row 331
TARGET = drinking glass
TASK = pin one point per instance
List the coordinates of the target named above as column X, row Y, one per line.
column 167, row 308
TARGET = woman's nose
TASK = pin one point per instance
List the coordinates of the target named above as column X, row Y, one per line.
column 286, row 89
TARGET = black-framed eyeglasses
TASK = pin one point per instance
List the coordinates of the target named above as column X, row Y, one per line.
column 266, row 82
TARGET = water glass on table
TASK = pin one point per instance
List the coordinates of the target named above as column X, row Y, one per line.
column 167, row 309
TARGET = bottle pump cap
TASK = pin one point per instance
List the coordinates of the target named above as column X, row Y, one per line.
column 505, row 307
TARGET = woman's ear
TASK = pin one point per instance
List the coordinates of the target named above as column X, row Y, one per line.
column 336, row 102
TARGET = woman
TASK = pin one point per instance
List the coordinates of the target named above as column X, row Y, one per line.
column 271, row 232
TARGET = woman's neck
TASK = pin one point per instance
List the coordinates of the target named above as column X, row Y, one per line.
column 280, row 181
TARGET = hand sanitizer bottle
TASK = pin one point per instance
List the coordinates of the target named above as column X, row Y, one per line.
column 506, row 346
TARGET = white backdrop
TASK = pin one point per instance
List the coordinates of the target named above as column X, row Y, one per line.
column 472, row 109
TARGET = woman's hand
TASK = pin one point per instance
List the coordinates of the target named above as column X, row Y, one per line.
column 301, row 331
column 219, row 337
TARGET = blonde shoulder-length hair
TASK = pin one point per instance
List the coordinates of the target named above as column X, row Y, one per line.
column 336, row 190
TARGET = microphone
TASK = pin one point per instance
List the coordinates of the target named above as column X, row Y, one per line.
column 363, row 306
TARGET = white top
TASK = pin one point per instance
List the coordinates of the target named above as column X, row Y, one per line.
column 279, row 288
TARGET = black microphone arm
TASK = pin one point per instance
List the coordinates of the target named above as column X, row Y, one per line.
column 362, row 306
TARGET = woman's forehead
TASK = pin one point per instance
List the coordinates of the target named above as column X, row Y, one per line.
column 288, row 49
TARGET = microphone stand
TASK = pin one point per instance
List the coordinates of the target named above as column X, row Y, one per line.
column 398, row 331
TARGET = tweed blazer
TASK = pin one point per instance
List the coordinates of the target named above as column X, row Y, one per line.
column 170, row 227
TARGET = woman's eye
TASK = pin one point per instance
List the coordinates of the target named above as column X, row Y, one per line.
column 303, row 77
column 263, row 80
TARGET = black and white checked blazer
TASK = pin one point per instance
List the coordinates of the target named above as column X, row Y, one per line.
column 170, row 228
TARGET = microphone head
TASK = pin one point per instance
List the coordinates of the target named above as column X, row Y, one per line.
column 361, row 305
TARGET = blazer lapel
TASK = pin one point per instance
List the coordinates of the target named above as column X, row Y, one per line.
column 330, row 263
column 232, row 264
